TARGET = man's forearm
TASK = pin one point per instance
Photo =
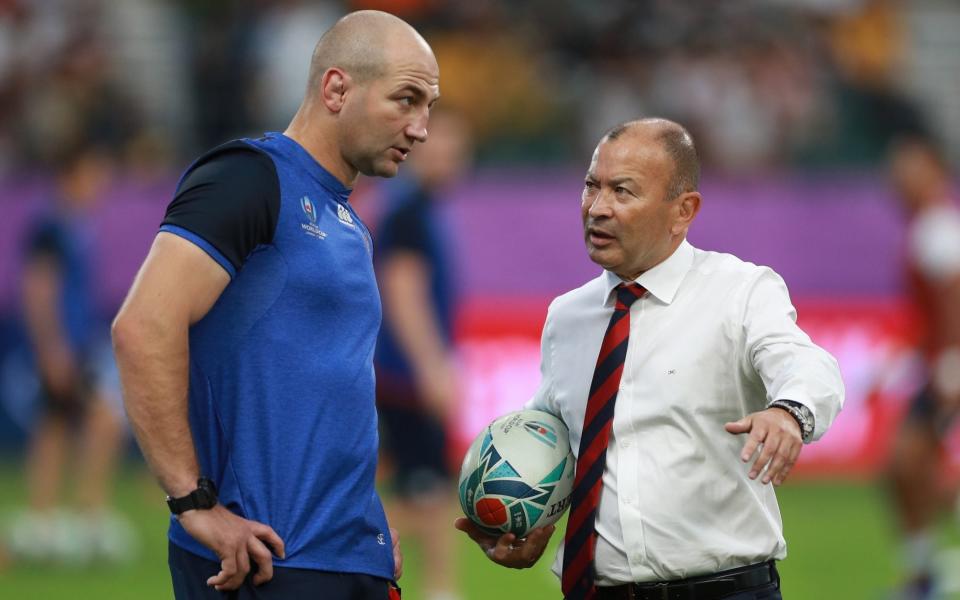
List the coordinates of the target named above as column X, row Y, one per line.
column 412, row 314
column 154, row 370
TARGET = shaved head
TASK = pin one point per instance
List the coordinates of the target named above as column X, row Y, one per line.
column 359, row 43
column 677, row 142
column 373, row 80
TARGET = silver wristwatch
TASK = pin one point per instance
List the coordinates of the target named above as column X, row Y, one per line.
column 801, row 413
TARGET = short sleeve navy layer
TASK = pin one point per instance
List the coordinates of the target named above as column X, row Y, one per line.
column 67, row 242
column 413, row 224
column 281, row 369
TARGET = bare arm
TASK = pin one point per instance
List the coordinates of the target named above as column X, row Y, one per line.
column 41, row 292
column 176, row 286
column 405, row 278
column 946, row 366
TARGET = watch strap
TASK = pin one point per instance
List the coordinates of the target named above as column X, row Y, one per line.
column 204, row 497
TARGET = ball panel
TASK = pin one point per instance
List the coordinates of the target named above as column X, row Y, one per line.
column 492, row 512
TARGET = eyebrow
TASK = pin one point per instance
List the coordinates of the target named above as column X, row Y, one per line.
column 418, row 92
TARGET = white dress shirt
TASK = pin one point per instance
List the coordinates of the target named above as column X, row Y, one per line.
column 713, row 340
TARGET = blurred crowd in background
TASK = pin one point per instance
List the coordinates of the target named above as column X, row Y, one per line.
column 761, row 83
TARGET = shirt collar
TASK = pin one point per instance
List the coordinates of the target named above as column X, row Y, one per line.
column 662, row 281
column 310, row 165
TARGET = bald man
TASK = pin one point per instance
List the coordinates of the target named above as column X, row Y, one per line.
column 246, row 342
column 687, row 388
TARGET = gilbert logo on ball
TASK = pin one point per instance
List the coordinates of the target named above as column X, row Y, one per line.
column 518, row 473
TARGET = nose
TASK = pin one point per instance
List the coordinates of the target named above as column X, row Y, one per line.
column 417, row 129
column 599, row 205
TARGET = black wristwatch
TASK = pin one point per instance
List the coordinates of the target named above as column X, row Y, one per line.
column 205, row 496
column 801, row 414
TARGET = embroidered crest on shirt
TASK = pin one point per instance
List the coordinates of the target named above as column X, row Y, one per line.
column 344, row 215
column 310, row 227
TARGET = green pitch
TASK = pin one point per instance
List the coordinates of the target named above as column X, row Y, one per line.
column 839, row 534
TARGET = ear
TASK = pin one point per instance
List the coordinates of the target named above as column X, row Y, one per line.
column 688, row 205
column 333, row 88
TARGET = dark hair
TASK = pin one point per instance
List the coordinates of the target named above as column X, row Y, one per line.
column 686, row 165
column 678, row 143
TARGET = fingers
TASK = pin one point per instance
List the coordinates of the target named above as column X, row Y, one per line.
column 753, row 442
column 770, row 446
column 395, row 537
column 270, row 538
column 507, row 550
column 783, row 461
column 476, row 534
column 261, row 555
column 778, row 442
column 521, row 554
column 397, row 554
column 500, row 551
column 741, row 426
column 536, row 543
column 228, row 568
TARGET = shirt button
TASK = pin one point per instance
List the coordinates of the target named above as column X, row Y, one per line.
column 627, row 500
column 625, row 444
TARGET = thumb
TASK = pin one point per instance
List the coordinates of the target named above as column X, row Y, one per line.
column 741, row 426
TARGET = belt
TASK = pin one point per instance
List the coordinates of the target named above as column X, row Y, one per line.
column 706, row 587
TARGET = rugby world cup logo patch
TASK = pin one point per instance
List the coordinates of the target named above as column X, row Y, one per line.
column 542, row 432
column 309, row 209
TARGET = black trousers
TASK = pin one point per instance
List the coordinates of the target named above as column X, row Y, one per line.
column 190, row 572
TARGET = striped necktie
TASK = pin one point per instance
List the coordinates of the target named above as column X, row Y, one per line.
column 580, row 539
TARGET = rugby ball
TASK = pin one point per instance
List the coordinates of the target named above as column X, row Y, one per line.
column 517, row 474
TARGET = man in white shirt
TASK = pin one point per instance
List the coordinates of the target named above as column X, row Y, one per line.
column 671, row 370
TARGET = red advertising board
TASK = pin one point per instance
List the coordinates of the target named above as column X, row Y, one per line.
column 873, row 340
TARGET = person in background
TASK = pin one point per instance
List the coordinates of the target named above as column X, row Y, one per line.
column 922, row 181
column 77, row 419
column 416, row 373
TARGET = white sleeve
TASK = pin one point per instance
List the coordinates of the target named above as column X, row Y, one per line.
column 544, row 399
column 934, row 242
column 791, row 366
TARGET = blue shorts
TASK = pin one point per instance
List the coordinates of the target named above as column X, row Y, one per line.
column 190, row 572
column 923, row 411
column 414, row 439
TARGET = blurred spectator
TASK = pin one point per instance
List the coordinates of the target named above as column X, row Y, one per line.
column 282, row 43
column 417, row 386
column 870, row 110
column 76, row 418
column 222, row 68
column 922, row 181
column 764, row 84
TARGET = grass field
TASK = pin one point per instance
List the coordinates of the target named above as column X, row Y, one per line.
column 841, row 547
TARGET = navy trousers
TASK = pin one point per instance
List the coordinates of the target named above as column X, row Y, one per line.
column 190, row 572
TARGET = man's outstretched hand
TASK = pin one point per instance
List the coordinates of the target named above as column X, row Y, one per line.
column 777, row 434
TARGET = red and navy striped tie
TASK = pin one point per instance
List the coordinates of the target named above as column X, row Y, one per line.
column 579, row 571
